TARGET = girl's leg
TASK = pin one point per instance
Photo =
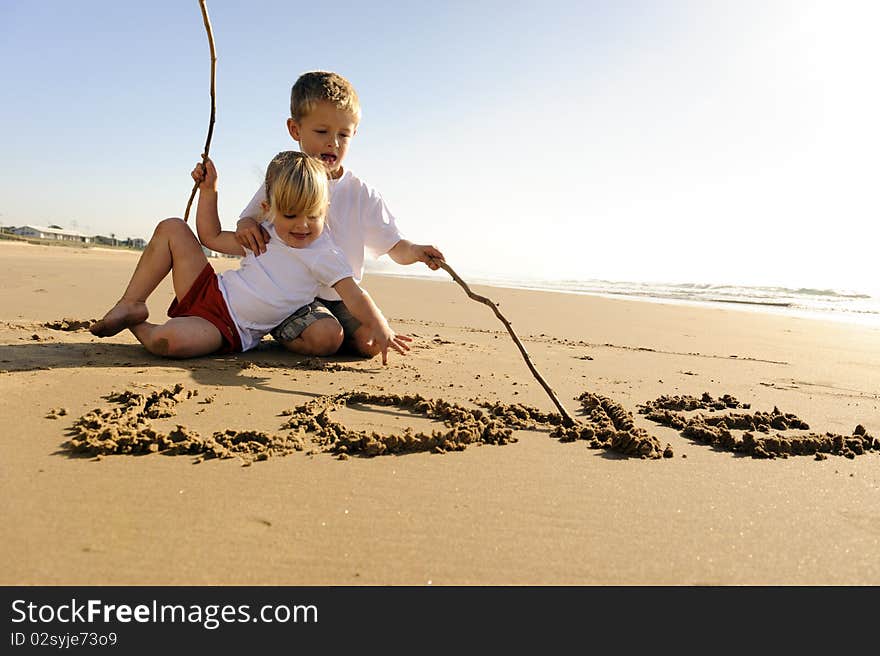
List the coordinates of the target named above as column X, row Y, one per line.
column 173, row 247
column 180, row 337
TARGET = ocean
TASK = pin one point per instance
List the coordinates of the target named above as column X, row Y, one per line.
column 827, row 304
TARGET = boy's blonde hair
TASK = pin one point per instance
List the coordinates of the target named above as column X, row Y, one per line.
column 297, row 183
column 312, row 87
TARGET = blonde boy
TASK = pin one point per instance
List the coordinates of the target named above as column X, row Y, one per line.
column 324, row 117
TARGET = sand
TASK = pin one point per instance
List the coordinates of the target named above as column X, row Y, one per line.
column 713, row 446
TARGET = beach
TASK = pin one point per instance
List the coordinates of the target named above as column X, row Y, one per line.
column 521, row 508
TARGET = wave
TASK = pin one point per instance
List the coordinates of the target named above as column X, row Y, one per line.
column 829, row 303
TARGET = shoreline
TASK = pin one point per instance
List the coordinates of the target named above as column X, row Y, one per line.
column 531, row 510
column 783, row 308
column 870, row 319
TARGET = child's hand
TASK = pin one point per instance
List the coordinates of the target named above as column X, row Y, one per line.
column 427, row 254
column 206, row 175
column 251, row 235
column 383, row 337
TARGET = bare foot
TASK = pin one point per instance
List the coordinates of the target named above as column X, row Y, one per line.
column 121, row 316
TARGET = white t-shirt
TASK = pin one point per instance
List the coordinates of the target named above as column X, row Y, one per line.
column 358, row 220
column 265, row 290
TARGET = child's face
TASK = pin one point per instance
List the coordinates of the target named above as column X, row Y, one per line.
column 325, row 133
column 297, row 230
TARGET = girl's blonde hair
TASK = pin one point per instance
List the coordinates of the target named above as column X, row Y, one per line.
column 297, row 183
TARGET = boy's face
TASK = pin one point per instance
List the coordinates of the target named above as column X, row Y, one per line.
column 297, row 230
column 325, row 132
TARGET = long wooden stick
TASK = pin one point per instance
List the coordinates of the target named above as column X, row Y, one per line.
column 567, row 420
column 213, row 102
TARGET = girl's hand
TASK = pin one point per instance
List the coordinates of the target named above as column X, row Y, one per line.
column 206, row 175
column 384, row 337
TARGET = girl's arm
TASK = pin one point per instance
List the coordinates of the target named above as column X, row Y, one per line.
column 207, row 218
column 364, row 310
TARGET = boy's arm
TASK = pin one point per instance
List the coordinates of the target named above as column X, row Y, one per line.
column 381, row 235
column 207, row 218
column 406, row 252
column 248, row 232
column 365, row 310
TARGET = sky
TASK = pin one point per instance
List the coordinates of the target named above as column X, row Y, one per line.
column 728, row 142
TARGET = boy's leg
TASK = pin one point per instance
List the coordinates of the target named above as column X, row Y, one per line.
column 311, row 330
column 356, row 336
column 180, row 337
column 173, row 247
column 360, row 344
column 324, row 337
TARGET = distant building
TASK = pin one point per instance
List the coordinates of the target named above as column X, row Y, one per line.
column 209, row 253
column 53, row 232
column 106, row 241
column 57, row 233
column 135, row 243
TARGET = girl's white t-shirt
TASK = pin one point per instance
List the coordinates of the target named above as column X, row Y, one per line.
column 358, row 220
column 265, row 290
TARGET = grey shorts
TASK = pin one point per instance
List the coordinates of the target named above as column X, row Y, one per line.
column 293, row 326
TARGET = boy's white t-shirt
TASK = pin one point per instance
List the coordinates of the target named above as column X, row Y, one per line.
column 265, row 290
column 358, row 220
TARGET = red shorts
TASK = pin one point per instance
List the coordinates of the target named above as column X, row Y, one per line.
column 205, row 300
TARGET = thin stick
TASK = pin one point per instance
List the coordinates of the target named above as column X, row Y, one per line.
column 213, row 102
column 567, row 420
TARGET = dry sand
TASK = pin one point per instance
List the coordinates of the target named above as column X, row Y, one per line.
column 273, row 480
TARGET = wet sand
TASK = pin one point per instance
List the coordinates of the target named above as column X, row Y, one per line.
column 712, row 446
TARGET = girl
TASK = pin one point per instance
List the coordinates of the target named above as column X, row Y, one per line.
column 232, row 311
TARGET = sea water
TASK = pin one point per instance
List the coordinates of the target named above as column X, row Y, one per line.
column 829, row 304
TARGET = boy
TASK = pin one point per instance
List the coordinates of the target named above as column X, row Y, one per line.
column 231, row 312
column 324, row 117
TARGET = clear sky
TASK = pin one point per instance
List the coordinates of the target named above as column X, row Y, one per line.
column 678, row 141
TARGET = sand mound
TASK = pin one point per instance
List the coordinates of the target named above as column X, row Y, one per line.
column 463, row 426
column 69, row 325
column 755, row 440
column 128, row 428
column 610, row 426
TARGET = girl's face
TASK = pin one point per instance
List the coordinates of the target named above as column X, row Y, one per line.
column 298, row 230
